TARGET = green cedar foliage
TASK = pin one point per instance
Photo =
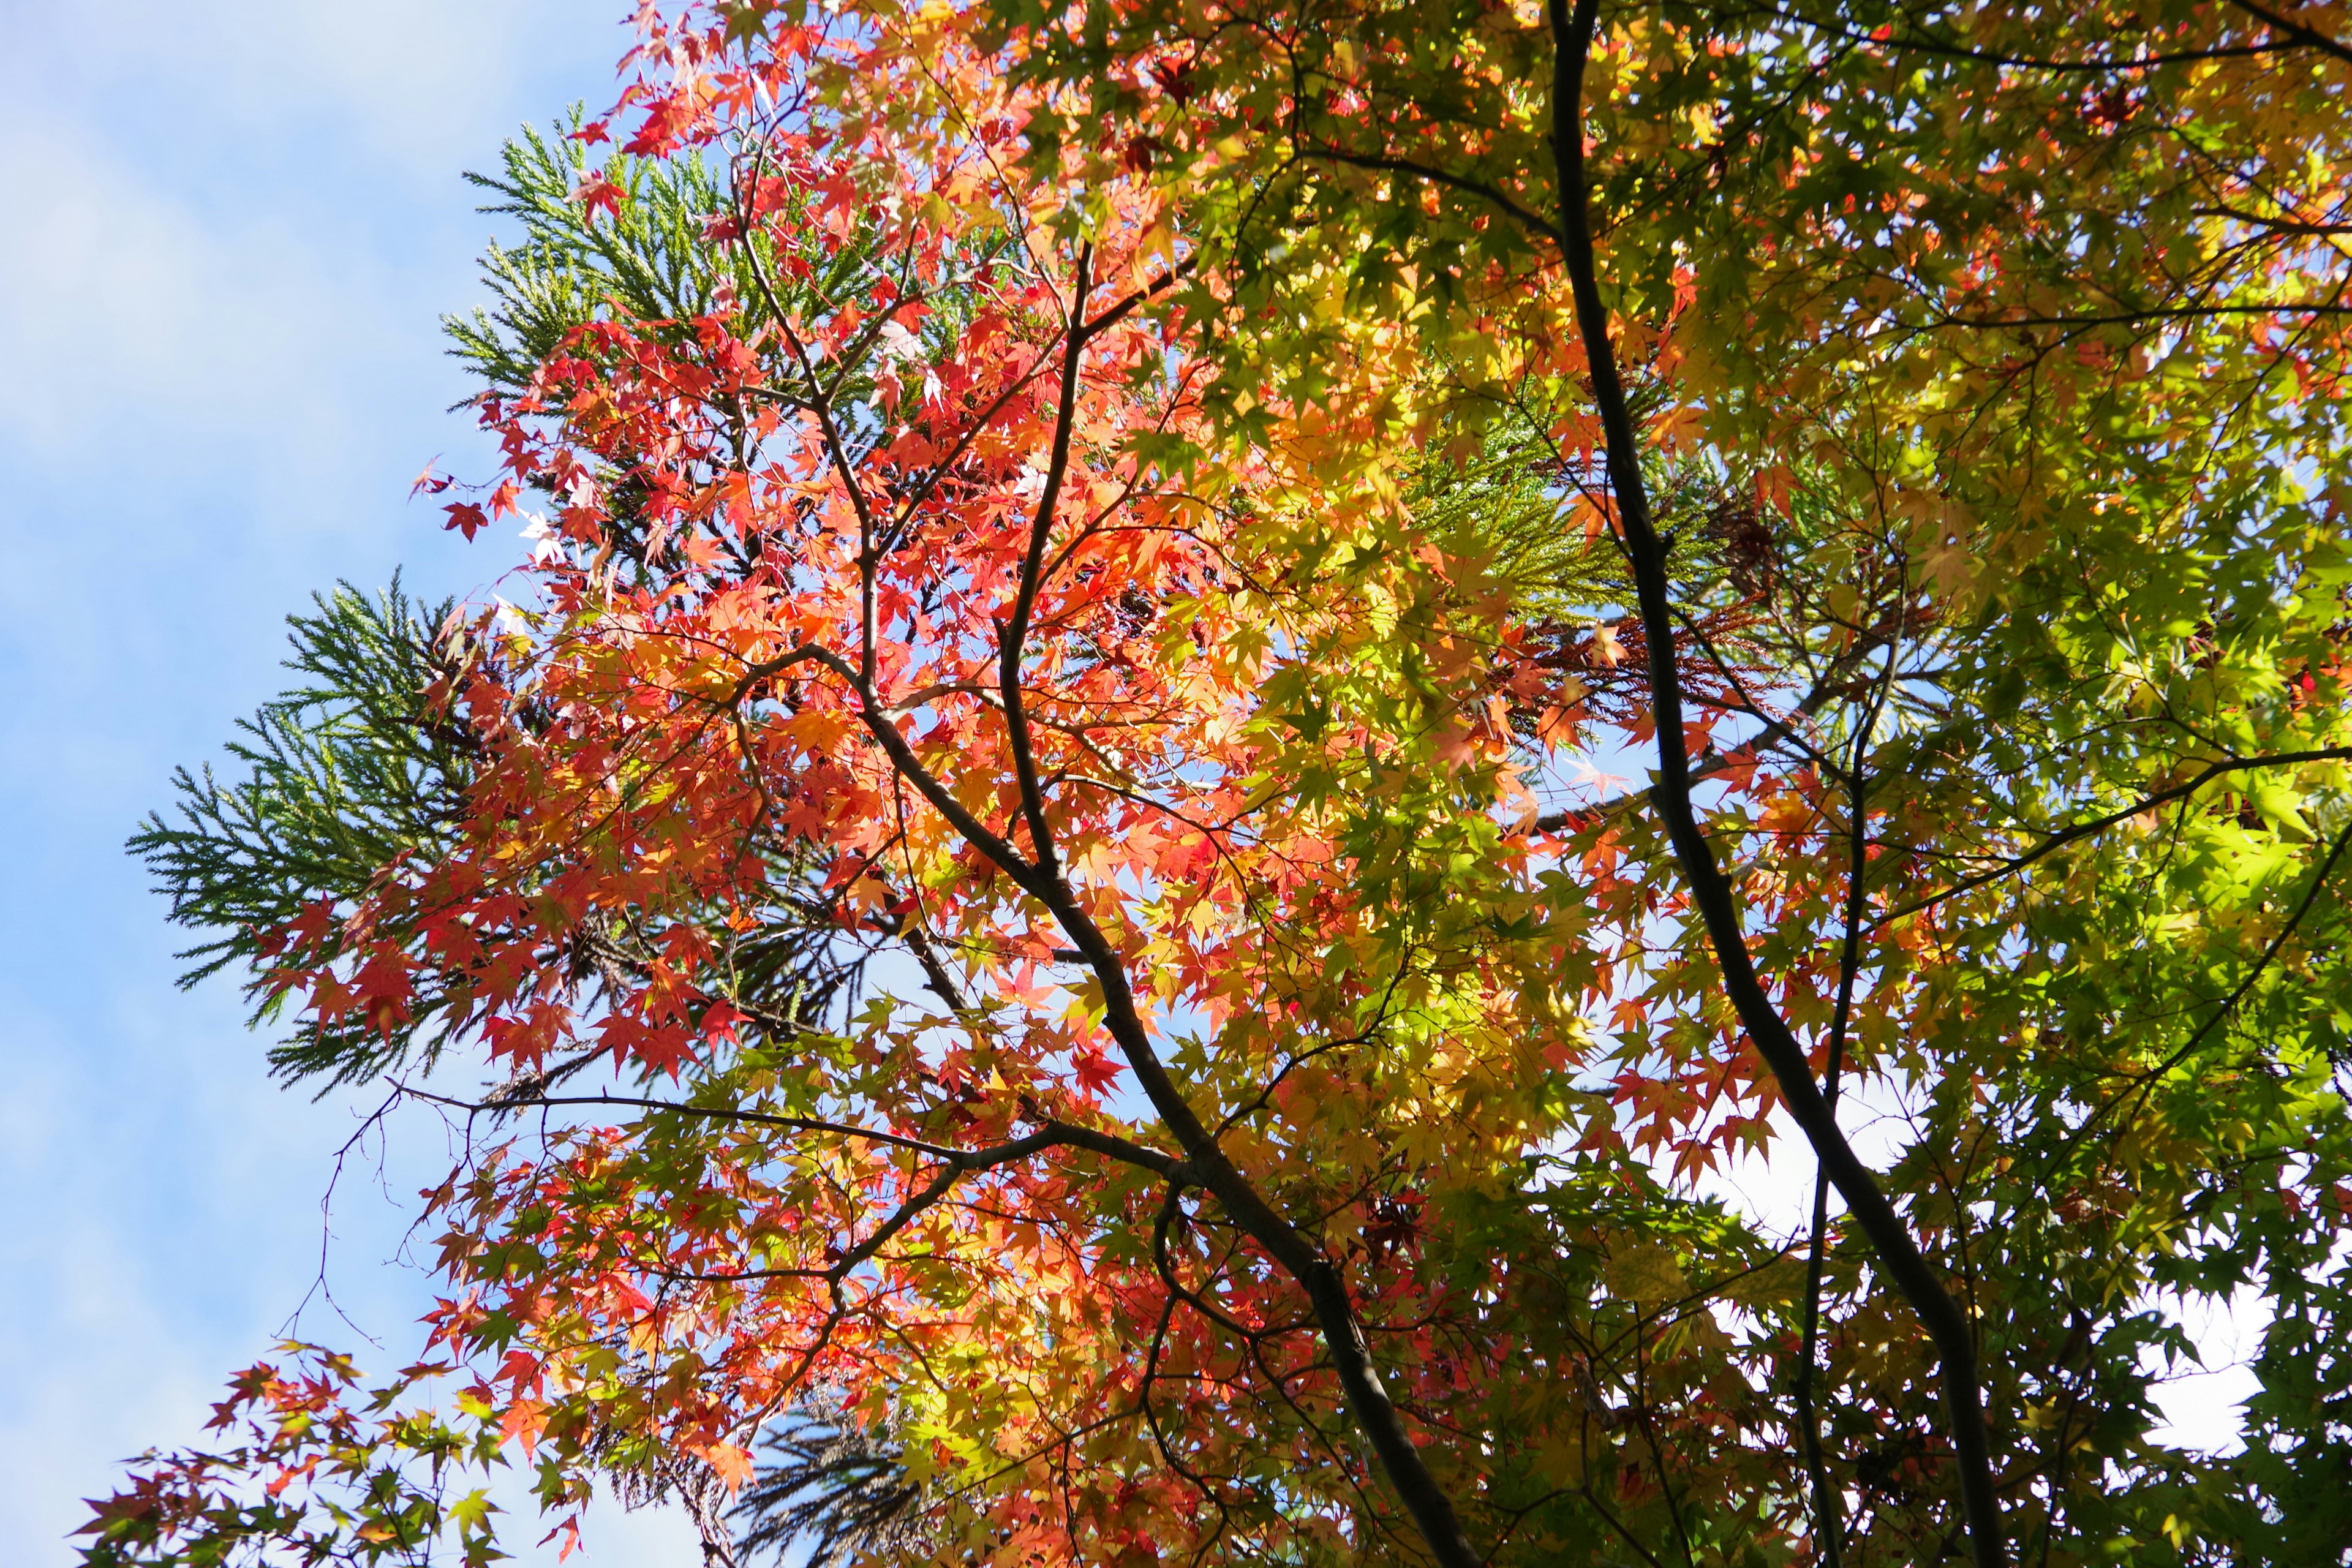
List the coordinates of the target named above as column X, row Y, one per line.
column 346, row 773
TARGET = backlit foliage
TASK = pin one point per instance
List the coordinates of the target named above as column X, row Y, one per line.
column 1038, row 833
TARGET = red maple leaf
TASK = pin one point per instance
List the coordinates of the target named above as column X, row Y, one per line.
column 598, row 192
column 1096, row 1071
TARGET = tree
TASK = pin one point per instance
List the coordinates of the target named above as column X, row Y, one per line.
column 1085, row 550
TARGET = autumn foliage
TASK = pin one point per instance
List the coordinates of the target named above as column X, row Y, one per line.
column 1195, row 738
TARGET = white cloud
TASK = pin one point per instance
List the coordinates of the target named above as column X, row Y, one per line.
column 414, row 84
column 226, row 232
column 132, row 321
column 164, row 1224
column 226, row 227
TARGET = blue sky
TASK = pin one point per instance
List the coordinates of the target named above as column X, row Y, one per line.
column 227, row 233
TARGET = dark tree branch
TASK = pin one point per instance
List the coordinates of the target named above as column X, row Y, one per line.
column 1705, row 766
column 1386, row 164
column 1013, row 639
column 1299, row 1256
column 1922, row 43
column 2100, row 824
column 2229, row 1005
column 1050, row 1134
column 2302, row 32
column 2135, row 317
column 1710, row 892
column 1828, row 1524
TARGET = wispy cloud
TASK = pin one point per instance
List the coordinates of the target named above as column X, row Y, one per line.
column 226, row 232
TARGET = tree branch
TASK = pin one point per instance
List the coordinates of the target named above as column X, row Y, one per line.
column 1012, row 639
column 1828, row 1523
column 2096, row 825
column 1390, row 164
column 1204, row 1163
column 1050, row 1134
column 2229, row 1005
column 1710, row 892
column 2300, row 32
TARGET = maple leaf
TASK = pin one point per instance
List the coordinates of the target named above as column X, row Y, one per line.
column 1096, row 1071
column 567, row 1531
column 598, row 192
column 733, row 1464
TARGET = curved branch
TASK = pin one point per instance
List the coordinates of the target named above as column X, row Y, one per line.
column 1710, row 891
column 1827, row 1522
column 1389, row 164
column 1013, row 638
column 1050, row 1134
column 2300, row 32
column 2229, row 1005
column 1367, row 1402
column 2096, row 825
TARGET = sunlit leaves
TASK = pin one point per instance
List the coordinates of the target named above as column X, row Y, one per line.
column 1074, row 691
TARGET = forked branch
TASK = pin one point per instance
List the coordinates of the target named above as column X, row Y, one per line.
column 1040, row 876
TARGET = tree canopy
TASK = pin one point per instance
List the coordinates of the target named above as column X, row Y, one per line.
column 1210, row 700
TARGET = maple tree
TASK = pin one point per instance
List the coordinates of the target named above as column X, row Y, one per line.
column 1033, row 864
